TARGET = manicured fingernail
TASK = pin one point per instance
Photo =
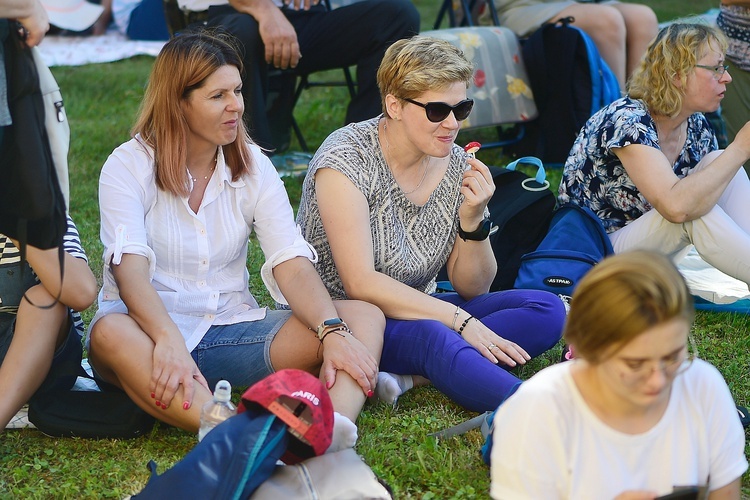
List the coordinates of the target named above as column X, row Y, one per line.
column 153, row 395
column 328, row 385
column 185, row 405
column 163, row 406
column 158, row 403
column 370, row 393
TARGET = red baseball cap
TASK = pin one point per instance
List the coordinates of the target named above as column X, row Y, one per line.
column 300, row 401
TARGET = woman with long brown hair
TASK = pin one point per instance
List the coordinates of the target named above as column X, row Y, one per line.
column 178, row 203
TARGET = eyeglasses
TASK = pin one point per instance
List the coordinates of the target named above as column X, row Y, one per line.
column 718, row 71
column 439, row 111
column 671, row 366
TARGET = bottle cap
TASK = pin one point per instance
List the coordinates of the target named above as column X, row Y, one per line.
column 223, row 391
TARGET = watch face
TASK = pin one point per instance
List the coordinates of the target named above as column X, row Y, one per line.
column 327, row 323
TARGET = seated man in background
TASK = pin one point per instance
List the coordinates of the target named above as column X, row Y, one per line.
column 304, row 35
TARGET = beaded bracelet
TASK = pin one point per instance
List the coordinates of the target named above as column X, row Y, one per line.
column 336, row 330
column 463, row 325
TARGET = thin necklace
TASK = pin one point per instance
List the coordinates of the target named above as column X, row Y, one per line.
column 680, row 139
column 683, row 131
column 210, row 172
column 388, row 155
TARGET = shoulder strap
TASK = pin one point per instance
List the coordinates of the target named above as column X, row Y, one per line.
column 540, row 176
column 478, row 422
column 263, row 447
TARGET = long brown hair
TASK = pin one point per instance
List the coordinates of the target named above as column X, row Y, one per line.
column 183, row 65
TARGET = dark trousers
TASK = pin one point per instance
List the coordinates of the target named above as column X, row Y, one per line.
column 356, row 34
column 147, row 21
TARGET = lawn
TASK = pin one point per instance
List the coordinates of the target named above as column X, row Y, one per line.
column 102, row 101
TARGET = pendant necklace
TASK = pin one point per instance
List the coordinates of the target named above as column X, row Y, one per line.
column 387, row 158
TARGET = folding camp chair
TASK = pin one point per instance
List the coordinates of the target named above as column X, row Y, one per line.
column 500, row 87
column 468, row 12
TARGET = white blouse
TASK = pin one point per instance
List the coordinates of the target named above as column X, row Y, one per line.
column 197, row 261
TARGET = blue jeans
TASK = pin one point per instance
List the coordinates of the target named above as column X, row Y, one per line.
column 239, row 353
column 532, row 319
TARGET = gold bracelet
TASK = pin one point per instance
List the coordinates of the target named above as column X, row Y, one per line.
column 455, row 317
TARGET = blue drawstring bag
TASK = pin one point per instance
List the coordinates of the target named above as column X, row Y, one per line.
column 287, row 415
column 230, row 462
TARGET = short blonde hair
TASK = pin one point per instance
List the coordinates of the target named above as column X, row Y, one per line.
column 622, row 297
column 183, row 65
column 672, row 55
column 413, row 66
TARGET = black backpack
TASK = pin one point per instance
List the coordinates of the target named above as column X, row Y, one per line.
column 32, row 204
column 520, row 210
column 95, row 414
column 570, row 82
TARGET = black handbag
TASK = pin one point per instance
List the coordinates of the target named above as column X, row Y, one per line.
column 32, row 206
column 109, row 413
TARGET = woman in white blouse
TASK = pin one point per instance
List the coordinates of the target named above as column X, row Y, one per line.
column 633, row 416
column 178, row 203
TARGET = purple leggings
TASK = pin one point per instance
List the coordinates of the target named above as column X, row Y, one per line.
column 532, row 319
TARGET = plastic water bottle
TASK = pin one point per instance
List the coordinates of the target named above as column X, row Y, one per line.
column 217, row 410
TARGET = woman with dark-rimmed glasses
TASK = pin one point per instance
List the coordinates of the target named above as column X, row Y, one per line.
column 633, row 415
column 387, row 202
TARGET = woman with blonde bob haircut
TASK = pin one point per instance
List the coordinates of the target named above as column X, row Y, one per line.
column 178, row 203
column 634, row 415
column 388, row 202
column 649, row 166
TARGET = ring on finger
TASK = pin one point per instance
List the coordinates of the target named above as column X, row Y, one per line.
column 491, row 346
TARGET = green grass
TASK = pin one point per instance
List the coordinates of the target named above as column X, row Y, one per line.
column 102, row 101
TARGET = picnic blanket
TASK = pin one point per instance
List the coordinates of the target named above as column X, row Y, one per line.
column 712, row 289
column 707, row 17
column 79, row 50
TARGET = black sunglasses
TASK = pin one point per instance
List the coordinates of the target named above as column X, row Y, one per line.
column 439, row 111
